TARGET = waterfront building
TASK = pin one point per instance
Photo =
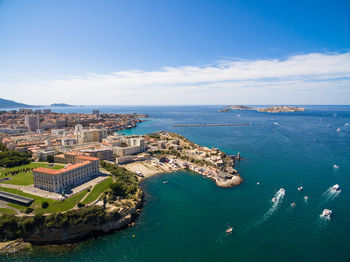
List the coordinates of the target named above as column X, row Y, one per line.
column 46, row 111
column 130, row 146
column 25, row 111
column 84, row 168
column 32, row 123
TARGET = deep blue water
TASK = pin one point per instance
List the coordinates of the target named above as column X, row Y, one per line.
column 186, row 218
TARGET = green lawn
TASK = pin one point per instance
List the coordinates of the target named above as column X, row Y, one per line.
column 24, row 178
column 54, row 205
column 7, row 211
column 97, row 190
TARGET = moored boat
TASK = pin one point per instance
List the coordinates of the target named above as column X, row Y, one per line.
column 300, row 188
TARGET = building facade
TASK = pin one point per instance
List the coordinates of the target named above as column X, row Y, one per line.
column 32, row 123
column 83, row 169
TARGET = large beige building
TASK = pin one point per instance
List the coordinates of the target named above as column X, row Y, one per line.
column 83, row 169
column 90, row 135
column 133, row 145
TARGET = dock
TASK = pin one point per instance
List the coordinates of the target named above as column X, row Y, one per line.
column 210, row 125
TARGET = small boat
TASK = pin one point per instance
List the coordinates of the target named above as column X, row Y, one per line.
column 306, row 197
column 229, row 230
column 293, row 204
column 274, row 199
column 335, row 166
column 326, row 213
column 338, row 129
column 300, row 188
column 335, row 187
column 165, row 182
column 258, row 183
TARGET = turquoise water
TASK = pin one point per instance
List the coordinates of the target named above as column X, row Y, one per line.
column 186, row 218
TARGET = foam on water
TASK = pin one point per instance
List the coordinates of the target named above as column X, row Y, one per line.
column 279, row 197
column 330, row 194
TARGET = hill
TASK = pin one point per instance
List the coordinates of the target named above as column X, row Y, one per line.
column 61, row 105
column 8, row 104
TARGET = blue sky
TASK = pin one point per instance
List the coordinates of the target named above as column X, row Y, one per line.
column 175, row 52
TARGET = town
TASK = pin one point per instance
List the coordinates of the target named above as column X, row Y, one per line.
column 77, row 165
column 66, row 150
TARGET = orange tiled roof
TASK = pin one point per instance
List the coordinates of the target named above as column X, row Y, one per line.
column 60, row 171
column 88, row 158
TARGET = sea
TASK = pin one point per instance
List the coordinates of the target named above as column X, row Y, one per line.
column 186, row 219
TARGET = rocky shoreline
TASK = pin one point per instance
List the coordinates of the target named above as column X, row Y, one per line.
column 70, row 234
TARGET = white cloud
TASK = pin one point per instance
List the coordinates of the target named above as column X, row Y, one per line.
column 302, row 79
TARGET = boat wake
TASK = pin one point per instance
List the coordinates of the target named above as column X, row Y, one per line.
column 330, row 194
column 277, row 200
column 222, row 236
column 277, row 124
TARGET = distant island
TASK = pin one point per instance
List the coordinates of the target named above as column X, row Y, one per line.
column 270, row 109
column 278, row 109
column 61, row 105
column 236, row 107
column 10, row 104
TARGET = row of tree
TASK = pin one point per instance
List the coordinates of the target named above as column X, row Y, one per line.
column 15, row 172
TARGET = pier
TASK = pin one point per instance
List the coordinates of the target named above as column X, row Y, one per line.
column 210, row 125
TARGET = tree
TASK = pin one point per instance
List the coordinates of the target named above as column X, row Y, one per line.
column 50, row 159
column 44, row 204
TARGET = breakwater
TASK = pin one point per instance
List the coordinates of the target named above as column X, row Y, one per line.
column 210, row 125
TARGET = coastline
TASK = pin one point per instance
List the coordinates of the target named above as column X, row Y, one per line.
column 115, row 218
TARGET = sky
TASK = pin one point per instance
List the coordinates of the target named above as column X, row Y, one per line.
column 156, row 52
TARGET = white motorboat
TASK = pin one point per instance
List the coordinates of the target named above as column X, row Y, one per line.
column 335, row 187
column 338, row 129
column 326, row 213
column 274, row 199
column 229, row 230
column 293, row 204
column 258, row 183
column 335, row 166
column 306, row 197
column 165, row 182
column 300, row 188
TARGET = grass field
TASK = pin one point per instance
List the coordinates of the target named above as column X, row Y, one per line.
column 7, row 211
column 24, row 178
column 54, row 205
column 97, row 190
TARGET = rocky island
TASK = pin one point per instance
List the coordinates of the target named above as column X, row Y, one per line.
column 236, row 107
column 270, row 109
column 278, row 109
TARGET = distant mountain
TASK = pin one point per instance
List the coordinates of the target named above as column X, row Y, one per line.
column 8, row 104
column 61, row 105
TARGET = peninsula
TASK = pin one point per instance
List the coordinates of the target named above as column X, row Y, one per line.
column 65, row 177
